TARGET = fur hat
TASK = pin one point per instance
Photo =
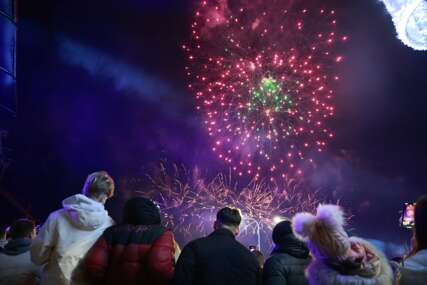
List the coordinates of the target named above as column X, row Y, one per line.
column 324, row 232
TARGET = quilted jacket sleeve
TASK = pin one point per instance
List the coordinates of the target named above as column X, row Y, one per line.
column 274, row 273
column 96, row 261
column 161, row 259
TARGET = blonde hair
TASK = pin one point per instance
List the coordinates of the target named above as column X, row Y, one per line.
column 99, row 183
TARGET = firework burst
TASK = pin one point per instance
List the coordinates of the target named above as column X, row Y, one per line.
column 189, row 202
column 262, row 74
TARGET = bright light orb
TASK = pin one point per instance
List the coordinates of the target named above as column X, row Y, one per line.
column 410, row 21
column 278, row 219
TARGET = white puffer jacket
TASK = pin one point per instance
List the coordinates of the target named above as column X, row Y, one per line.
column 66, row 236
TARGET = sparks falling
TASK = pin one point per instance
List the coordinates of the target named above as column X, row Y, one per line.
column 189, row 201
column 263, row 77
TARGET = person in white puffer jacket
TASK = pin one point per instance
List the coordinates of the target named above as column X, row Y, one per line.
column 70, row 232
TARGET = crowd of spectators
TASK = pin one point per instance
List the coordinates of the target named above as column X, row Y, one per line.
column 81, row 244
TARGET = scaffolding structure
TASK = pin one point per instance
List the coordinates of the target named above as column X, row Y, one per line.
column 8, row 94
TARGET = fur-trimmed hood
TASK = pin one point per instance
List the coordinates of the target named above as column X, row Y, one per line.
column 320, row 273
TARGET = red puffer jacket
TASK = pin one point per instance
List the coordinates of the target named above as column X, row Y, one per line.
column 127, row 254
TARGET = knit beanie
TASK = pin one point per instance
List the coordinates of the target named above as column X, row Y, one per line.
column 281, row 231
column 324, row 232
column 141, row 211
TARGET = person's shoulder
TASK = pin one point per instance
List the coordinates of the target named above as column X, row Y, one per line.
column 417, row 261
column 110, row 222
column 276, row 257
column 24, row 256
column 286, row 259
column 118, row 227
column 114, row 230
column 243, row 249
column 194, row 244
column 5, row 258
column 274, row 263
column 371, row 247
column 244, row 252
column 197, row 241
column 55, row 215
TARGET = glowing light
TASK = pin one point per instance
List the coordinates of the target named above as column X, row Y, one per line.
column 278, row 219
column 263, row 78
column 410, row 20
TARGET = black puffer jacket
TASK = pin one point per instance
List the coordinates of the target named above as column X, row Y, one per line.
column 287, row 263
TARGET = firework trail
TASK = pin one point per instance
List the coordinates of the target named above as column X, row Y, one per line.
column 189, row 202
column 262, row 74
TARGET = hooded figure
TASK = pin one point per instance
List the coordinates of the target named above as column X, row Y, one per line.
column 16, row 267
column 69, row 233
column 338, row 258
column 288, row 260
column 139, row 251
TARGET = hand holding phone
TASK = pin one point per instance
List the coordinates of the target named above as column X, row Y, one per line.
column 407, row 219
column 252, row 248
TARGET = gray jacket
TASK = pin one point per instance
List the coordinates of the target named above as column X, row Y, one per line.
column 16, row 267
column 414, row 269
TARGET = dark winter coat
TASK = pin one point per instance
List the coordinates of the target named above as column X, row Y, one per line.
column 218, row 259
column 131, row 255
column 287, row 263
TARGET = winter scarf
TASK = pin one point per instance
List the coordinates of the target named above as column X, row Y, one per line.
column 17, row 246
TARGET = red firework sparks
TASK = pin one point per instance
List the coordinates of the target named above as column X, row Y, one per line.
column 189, row 200
column 262, row 74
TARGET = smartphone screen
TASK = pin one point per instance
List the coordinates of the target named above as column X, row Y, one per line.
column 407, row 219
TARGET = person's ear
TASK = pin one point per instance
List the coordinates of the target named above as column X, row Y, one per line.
column 237, row 231
column 33, row 234
column 216, row 225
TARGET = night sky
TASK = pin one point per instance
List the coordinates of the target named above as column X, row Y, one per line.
column 101, row 85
